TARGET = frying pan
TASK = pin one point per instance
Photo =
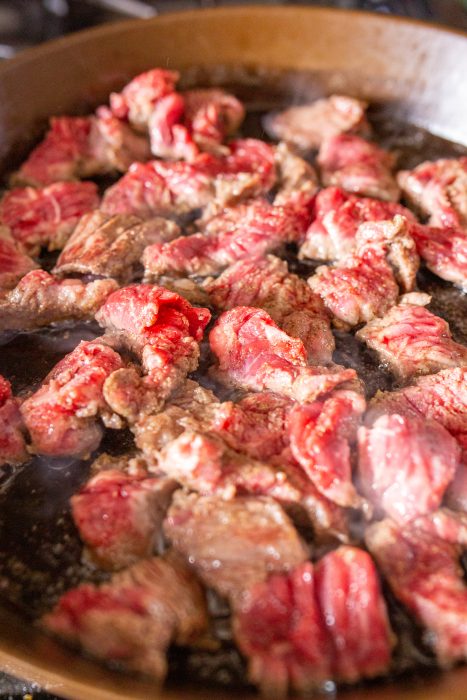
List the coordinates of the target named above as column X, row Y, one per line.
column 417, row 71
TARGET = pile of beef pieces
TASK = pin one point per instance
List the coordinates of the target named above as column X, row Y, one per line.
column 216, row 493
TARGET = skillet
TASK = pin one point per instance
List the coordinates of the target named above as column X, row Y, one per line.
column 416, row 71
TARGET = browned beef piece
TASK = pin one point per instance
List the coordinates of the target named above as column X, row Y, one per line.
column 367, row 283
column 233, row 544
column 12, row 443
column 40, row 299
column 111, row 246
column 444, row 251
column 439, row 190
column 337, row 216
column 61, row 416
column 426, row 576
column 307, row 126
column 411, row 340
column 358, row 166
column 134, row 617
column 315, row 623
column 405, row 464
column 296, row 178
column 253, row 353
column 45, row 217
column 119, row 513
column 441, row 397
column 267, row 284
column 14, row 264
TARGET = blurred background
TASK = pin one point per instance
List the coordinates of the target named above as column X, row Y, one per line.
column 24, row 23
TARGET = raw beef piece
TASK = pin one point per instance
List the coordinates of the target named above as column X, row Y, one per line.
column 119, row 515
column 405, row 464
column 338, row 215
column 253, row 353
column 439, row 190
column 13, row 262
column 211, row 115
column 138, row 98
column 365, row 284
column 12, row 445
column 315, row 623
column 249, row 230
column 320, row 437
column 307, row 126
column 134, row 617
column 358, row 166
column 45, row 217
column 40, row 299
column 163, row 330
column 233, row 544
column 353, row 607
column 182, row 124
column 112, row 246
column 62, row 155
column 175, row 188
column 441, row 397
column 61, row 415
column 425, row 575
column 280, row 628
column 411, row 340
column 267, row 284
column 444, row 251
column 80, row 147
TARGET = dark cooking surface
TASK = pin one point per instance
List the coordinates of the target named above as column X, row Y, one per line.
column 39, row 547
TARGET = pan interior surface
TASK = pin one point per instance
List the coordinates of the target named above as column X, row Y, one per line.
column 411, row 73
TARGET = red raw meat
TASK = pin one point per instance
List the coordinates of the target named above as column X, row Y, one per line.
column 12, row 445
column 163, row 188
column 211, row 115
column 358, row 166
column 119, row 515
column 365, row 284
column 405, row 464
column 233, row 544
column 45, row 217
column 353, row 607
column 169, row 137
column 439, row 190
column 61, row 415
column 307, row 126
column 338, row 215
column 62, row 155
column 40, row 299
column 425, row 575
column 246, row 231
column 411, row 340
column 281, row 630
column 448, row 525
column 441, row 397
column 444, row 251
column 163, row 329
column 14, row 264
column 138, row 98
column 267, row 284
column 255, row 354
column 320, row 437
column 134, row 617
column 315, row 623
column 112, row 246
